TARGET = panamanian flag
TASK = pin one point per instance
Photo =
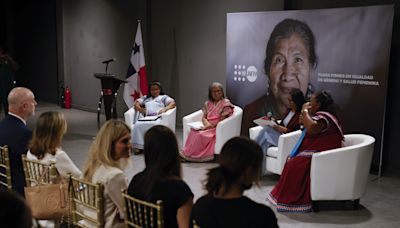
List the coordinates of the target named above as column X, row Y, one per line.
column 136, row 76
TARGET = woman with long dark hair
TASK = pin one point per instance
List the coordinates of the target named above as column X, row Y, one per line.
column 269, row 135
column 161, row 179
column 224, row 205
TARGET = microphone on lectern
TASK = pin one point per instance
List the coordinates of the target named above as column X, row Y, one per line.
column 109, row 60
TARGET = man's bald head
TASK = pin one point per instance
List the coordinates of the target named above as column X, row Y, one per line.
column 18, row 95
column 21, row 102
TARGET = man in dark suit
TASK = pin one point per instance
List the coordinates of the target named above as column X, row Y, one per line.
column 15, row 134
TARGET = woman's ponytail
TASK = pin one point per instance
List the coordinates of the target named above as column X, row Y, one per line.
column 215, row 180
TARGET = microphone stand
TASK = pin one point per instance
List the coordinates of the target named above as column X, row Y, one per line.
column 107, row 66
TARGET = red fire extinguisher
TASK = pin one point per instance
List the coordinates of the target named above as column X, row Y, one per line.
column 67, row 97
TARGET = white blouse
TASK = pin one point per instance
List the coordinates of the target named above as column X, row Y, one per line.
column 63, row 163
column 288, row 118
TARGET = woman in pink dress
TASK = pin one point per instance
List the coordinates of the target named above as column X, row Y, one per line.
column 200, row 144
column 322, row 132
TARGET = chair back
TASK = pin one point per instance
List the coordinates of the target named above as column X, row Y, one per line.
column 342, row 173
column 33, row 171
column 5, row 168
column 87, row 208
column 168, row 119
column 140, row 213
column 228, row 128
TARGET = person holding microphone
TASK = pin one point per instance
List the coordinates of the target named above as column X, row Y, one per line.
column 322, row 131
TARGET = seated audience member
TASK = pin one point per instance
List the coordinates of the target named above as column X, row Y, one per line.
column 109, row 155
column 224, row 205
column 151, row 105
column 322, row 132
column 15, row 134
column 161, row 179
column 14, row 212
column 269, row 135
column 46, row 144
column 199, row 146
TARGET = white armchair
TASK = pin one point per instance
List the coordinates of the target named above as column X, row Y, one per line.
column 276, row 156
column 226, row 129
column 342, row 173
column 167, row 119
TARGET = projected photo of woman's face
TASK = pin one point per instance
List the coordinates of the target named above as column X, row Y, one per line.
column 343, row 50
column 290, row 57
column 289, row 69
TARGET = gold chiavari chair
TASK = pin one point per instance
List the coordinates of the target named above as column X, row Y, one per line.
column 139, row 213
column 5, row 168
column 33, row 171
column 86, row 203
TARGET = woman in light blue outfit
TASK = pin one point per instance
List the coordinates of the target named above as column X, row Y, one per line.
column 153, row 104
column 269, row 135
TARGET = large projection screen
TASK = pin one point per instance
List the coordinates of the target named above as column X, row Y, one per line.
column 352, row 47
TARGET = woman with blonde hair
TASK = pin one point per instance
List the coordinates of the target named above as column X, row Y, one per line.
column 46, row 143
column 109, row 155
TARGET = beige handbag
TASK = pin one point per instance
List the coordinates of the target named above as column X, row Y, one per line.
column 47, row 201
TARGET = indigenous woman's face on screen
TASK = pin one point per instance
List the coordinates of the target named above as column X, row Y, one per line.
column 155, row 91
column 290, row 68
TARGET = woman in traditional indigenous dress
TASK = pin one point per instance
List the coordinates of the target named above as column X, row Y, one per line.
column 200, row 144
column 153, row 104
column 322, row 132
column 269, row 135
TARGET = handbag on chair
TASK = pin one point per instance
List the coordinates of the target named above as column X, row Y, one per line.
column 47, row 201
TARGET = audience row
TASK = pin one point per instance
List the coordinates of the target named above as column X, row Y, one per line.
column 109, row 156
column 240, row 161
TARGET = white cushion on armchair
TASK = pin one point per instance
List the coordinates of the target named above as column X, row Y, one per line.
column 168, row 118
column 276, row 156
column 226, row 129
column 342, row 173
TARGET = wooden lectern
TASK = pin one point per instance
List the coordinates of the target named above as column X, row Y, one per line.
column 109, row 88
